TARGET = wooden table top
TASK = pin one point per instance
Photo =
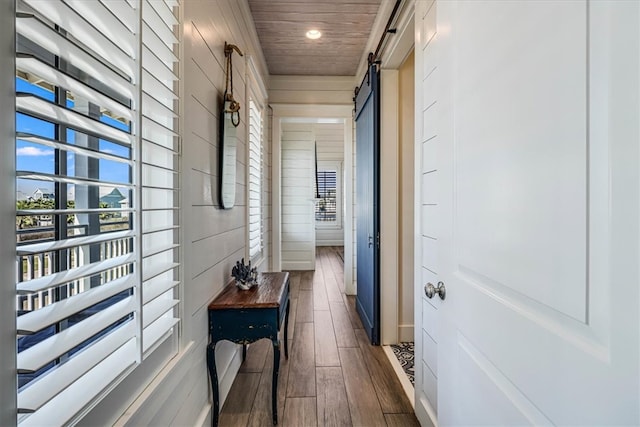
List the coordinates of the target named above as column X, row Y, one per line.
column 267, row 294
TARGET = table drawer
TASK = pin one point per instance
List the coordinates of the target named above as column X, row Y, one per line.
column 244, row 326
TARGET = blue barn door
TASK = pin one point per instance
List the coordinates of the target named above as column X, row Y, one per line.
column 367, row 209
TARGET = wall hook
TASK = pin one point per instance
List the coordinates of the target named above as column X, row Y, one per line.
column 231, row 106
column 229, row 48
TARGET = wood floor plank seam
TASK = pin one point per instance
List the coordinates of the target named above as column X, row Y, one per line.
column 348, row 406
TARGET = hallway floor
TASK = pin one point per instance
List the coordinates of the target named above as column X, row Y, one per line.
column 333, row 376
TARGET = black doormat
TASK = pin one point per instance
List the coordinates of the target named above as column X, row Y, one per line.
column 404, row 354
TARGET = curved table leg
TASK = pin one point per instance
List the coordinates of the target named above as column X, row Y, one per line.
column 211, row 363
column 274, row 380
column 286, row 330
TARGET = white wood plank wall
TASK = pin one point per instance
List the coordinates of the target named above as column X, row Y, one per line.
column 298, row 225
column 330, row 143
column 330, row 139
column 215, row 238
column 311, row 89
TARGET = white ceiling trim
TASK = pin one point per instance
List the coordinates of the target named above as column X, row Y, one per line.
column 255, row 40
column 257, row 79
column 316, row 111
column 400, row 44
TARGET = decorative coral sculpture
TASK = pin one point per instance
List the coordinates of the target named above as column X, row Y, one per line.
column 246, row 277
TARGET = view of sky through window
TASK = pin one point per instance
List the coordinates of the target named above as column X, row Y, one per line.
column 39, row 158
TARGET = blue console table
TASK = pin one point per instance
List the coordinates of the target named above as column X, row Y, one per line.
column 244, row 317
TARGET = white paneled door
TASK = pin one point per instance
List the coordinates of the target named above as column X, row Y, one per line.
column 528, row 117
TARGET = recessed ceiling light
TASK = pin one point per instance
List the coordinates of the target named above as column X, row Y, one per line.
column 313, row 34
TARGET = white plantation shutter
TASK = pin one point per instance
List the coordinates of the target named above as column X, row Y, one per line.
column 98, row 261
column 255, row 179
column 160, row 184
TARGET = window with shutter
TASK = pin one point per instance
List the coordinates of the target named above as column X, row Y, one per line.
column 257, row 97
column 328, row 195
column 326, row 205
column 255, row 179
column 97, row 197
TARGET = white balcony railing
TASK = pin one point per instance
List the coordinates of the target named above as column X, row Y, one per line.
column 40, row 265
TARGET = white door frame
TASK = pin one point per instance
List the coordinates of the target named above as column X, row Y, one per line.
column 397, row 50
column 341, row 112
column 426, row 322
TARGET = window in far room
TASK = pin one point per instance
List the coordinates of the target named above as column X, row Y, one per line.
column 328, row 206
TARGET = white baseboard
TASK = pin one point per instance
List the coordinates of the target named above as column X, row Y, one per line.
column 153, row 399
column 406, row 333
column 204, row 415
column 149, row 401
column 425, row 413
column 351, row 288
column 298, row 265
column 204, row 419
column 225, row 381
column 329, row 242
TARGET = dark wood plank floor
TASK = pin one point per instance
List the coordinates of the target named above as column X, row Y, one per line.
column 333, row 376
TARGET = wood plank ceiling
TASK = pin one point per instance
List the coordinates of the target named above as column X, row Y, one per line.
column 345, row 26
